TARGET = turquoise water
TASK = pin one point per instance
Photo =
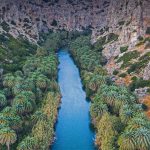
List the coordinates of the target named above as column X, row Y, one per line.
column 73, row 130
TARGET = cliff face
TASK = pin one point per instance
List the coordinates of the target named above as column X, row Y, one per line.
column 28, row 17
column 129, row 20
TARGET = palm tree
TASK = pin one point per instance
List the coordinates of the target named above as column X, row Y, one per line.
column 100, row 70
column 3, row 100
column 27, row 144
column 19, row 80
column 126, row 114
column 17, row 89
column 107, row 130
column 142, row 136
column 38, row 94
column 54, row 85
column 127, row 141
column 41, row 52
column 13, row 119
column 30, row 96
column 8, row 137
column 19, row 74
column 7, row 92
column 29, row 85
column 41, row 82
column 138, row 122
column 97, row 110
column 96, row 81
column 3, row 120
column 22, row 104
column 9, row 81
column 38, row 115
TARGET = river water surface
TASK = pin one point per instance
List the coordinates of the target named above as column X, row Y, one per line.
column 73, row 130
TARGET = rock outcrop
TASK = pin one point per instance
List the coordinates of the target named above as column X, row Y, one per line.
column 102, row 16
column 129, row 20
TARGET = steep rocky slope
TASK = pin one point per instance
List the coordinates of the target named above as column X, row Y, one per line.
column 121, row 26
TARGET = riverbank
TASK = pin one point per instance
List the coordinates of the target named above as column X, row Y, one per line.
column 31, row 98
column 113, row 107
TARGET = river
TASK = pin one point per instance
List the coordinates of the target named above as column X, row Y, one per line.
column 73, row 130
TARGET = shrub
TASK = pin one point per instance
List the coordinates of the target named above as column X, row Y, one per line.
column 142, row 63
column 148, row 30
column 140, row 38
column 123, row 49
column 132, row 68
column 5, row 26
column 123, row 75
column 41, row 52
column 54, row 23
column 121, row 23
column 105, row 39
column 112, row 37
column 127, row 57
column 115, row 72
column 139, row 83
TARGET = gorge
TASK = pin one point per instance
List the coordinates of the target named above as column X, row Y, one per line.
column 40, row 86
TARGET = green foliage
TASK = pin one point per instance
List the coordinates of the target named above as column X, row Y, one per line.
column 44, row 121
column 41, row 52
column 121, row 23
column 7, row 137
column 136, row 135
column 24, row 90
column 108, row 131
column 3, row 100
column 123, row 75
column 27, row 143
column 100, row 42
column 139, row 83
column 104, row 40
column 123, row 49
column 83, row 53
column 5, row 26
column 115, row 72
column 140, row 38
column 127, row 58
column 142, row 63
column 148, row 30
column 114, row 109
column 13, row 52
column 55, row 40
column 112, row 37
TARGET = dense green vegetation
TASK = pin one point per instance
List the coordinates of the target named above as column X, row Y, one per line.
column 104, row 40
column 127, row 58
column 142, row 63
column 123, row 49
column 119, row 120
column 139, row 83
column 29, row 95
column 14, row 52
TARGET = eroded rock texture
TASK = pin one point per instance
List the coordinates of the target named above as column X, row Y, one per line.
column 30, row 16
column 128, row 19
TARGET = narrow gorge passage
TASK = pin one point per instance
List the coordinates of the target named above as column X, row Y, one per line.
column 73, row 128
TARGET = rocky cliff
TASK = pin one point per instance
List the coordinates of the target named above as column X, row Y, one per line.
column 102, row 16
column 125, row 22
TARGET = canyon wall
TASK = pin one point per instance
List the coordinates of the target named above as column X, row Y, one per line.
column 27, row 17
column 128, row 19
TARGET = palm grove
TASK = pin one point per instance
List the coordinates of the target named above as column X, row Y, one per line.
column 30, row 96
column 118, row 118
